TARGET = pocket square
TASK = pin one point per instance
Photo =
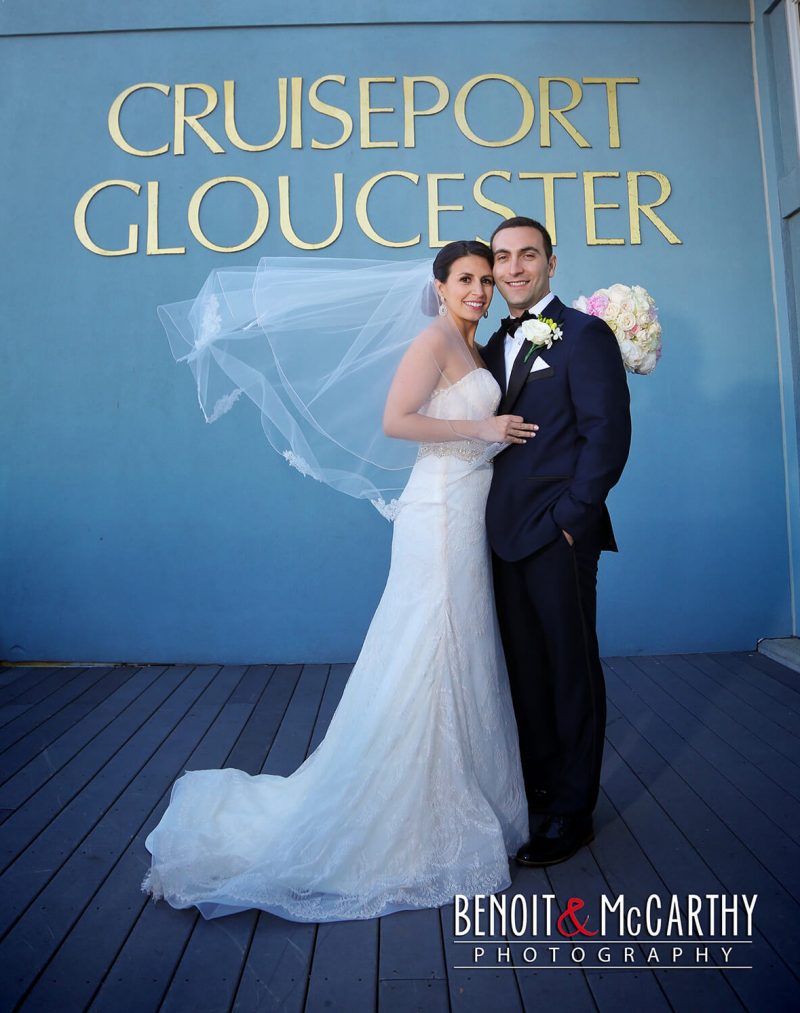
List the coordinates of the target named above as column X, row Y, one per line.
column 539, row 364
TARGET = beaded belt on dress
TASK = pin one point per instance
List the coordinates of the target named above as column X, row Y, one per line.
column 467, row 450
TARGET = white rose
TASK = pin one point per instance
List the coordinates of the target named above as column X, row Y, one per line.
column 628, row 305
column 632, row 354
column 648, row 363
column 618, row 291
column 626, row 320
column 641, row 303
column 537, row 332
column 611, row 312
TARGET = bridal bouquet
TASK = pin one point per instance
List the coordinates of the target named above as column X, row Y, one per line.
column 630, row 312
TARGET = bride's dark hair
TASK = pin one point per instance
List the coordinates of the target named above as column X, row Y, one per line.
column 445, row 259
column 447, row 256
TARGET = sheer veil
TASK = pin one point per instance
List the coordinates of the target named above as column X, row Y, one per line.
column 314, row 342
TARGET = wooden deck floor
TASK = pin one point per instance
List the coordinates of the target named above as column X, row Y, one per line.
column 701, row 794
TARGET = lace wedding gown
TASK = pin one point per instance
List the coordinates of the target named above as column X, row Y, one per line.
column 416, row 792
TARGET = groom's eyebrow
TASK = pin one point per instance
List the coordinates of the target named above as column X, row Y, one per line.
column 522, row 249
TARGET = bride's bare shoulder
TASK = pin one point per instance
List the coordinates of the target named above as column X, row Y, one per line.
column 434, row 340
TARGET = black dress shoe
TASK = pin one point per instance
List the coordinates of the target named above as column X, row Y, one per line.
column 556, row 840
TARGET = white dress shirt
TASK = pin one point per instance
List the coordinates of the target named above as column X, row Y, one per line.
column 514, row 342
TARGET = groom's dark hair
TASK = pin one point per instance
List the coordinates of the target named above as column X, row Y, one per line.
column 521, row 222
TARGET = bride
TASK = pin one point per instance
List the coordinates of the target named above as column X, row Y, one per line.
column 415, row 794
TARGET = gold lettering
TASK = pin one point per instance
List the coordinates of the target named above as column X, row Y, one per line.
column 546, row 110
column 297, row 113
column 611, row 97
column 410, row 110
column 261, row 219
column 461, row 110
column 334, row 112
column 152, row 223
column 113, row 120
column 230, row 119
column 635, row 206
column 435, row 208
column 182, row 120
column 79, row 219
column 483, row 201
column 548, row 179
column 591, row 205
column 286, row 219
column 361, row 209
column 367, row 110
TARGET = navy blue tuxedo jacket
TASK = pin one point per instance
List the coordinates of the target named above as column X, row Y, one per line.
column 559, row 480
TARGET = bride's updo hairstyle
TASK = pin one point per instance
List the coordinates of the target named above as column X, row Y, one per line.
column 445, row 259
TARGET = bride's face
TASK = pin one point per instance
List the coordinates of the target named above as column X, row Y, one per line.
column 468, row 289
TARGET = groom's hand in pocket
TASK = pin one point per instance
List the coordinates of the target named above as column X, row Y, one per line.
column 568, row 536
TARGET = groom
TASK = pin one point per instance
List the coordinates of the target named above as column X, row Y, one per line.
column 547, row 524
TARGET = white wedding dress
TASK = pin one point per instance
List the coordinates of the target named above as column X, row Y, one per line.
column 415, row 793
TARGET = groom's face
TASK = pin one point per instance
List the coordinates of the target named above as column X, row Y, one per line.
column 522, row 270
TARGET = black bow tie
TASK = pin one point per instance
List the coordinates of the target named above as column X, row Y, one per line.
column 509, row 325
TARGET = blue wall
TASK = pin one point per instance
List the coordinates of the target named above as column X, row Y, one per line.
column 134, row 531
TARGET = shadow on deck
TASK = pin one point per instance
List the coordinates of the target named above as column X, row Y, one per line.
column 701, row 795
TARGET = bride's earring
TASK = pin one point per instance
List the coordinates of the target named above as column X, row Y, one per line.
column 486, row 315
column 442, row 308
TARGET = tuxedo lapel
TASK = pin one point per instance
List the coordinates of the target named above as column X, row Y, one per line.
column 517, row 379
column 521, row 368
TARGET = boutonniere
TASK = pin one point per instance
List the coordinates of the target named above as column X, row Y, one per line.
column 541, row 333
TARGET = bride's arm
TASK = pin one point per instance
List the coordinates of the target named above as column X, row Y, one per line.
column 419, row 373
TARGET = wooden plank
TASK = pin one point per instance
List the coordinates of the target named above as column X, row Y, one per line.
column 768, row 666
column 665, row 695
column 777, row 730
column 656, row 831
column 277, row 967
column 276, row 972
column 765, row 695
column 475, row 989
column 161, row 934
column 689, row 681
column 411, row 946
column 581, row 877
column 57, row 678
column 628, row 870
column 735, row 866
column 80, row 964
column 773, row 852
column 409, row 996
column 541, row 987
column 337, row 680
column 19, row 680
column 61, row 821
column 685, row 870
column 24, row 826
column 344, row 969
column 749, row 667
column 121, row 795
column 40, row 724
column 36, row 714
column 32, row 762
column 211, row 966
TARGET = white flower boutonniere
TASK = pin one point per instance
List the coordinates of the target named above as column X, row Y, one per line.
column 541, row 333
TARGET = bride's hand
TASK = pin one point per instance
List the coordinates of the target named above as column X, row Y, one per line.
column 506, row 429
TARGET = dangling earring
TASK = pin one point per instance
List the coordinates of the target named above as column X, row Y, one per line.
column 442, row 308
column 485, row 314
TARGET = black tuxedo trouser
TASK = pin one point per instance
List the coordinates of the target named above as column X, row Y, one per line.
column 546, row 605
